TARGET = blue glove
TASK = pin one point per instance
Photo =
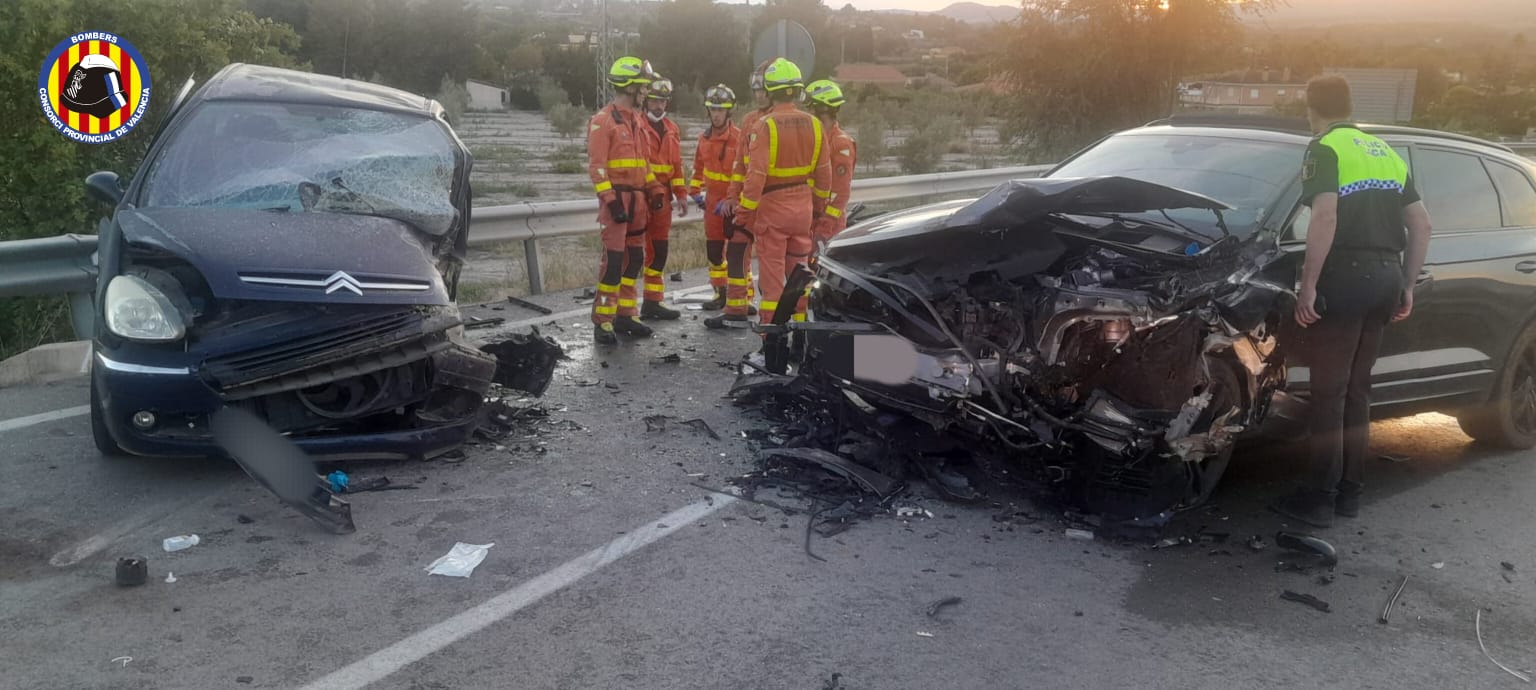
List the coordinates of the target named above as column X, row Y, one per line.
column 698, row 199
column 720, row 208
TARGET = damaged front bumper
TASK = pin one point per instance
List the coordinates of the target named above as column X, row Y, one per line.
column 341, row 393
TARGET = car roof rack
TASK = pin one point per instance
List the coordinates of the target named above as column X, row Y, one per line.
column 1298, row 125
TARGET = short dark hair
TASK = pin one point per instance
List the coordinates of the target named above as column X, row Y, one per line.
column 1328, row 96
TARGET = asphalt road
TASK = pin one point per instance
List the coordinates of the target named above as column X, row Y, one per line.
column 596, row 582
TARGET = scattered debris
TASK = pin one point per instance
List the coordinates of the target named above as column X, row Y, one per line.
column 501, row 419
column 924, row 634
column 174, row 544
column 170, row 578
column 1438, row 565
column 912, row 512
column 672, row 358
column 933, row 609
column 338, row 481
column 1080, row 534
column 655, row 422
column 132, row 571
column 377, row 484
column 124, row 660
column 702, row 427
column 677, row 277
column 1172, row 542
column 476, row 323
column 1399, row 459
column 1386, row 611
column 1325, row 579
column 1295, row 541
column 1307, row 600
column 539, row 307
column 245, row 680
column 586, row 293
column 868, row 479
column 1507, row 566
column 1479, row 625
column 1257, row 543
column 835, row 683
column 277, row 464
column 244, row 519
column 460, row 561
column 526, row 361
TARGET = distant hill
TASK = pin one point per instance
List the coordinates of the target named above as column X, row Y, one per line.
column 1314, row 12
column 977, row 13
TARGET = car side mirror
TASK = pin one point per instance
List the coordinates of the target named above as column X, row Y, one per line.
column 104, row 186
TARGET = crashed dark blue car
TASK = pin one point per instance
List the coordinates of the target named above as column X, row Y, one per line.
column 290, row 246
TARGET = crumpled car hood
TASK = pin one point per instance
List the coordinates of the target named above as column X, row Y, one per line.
column 248, row 254
column 1017, row 202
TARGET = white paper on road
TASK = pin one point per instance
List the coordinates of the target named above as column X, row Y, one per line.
column 461, row 560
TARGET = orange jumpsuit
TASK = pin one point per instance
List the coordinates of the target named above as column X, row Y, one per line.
column 617, row 163
column 844, row 155
column 739, row 251
column 713, row 162
column 788, row 176
column 665, row 150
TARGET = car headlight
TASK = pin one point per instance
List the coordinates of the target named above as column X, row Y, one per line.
column 137, row 310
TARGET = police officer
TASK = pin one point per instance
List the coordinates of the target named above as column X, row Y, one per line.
column 1358, row 275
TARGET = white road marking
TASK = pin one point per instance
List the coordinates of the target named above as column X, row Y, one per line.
column 561, row 316
column 122, row 528
column 392, row 659
column 43, row 418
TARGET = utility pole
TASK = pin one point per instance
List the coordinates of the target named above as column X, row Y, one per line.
column 604, row 57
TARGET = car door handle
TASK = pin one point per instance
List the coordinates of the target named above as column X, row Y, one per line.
column 1526, row 267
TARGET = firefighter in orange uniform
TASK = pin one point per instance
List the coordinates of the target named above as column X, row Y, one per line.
column 665, row 146
column 625, row 186
column 713, row 161
column 788, row 182
column 826, row 99
column 739, row 250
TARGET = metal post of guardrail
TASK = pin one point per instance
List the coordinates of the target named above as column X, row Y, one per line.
column 531, row 261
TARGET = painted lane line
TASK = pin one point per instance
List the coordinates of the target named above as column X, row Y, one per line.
column 43, row 418
column 540, row 320
column 392, row 659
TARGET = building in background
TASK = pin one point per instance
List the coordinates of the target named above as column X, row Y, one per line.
column 483, row 96
column 1380, row 95
column 1241, row 97
column 869, row 73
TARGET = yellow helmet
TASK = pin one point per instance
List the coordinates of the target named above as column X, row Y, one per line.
column 661, row 89
column 628, row 71
column 782, row 74
column 720, row 96
column 825, row 92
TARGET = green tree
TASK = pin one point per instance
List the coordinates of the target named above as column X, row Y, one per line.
column 1082, row 68
column 567, row 120
column 870, row 133
column 695, row 43
column 40, row 184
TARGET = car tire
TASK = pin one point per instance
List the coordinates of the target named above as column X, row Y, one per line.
column 99, row 433
column 1508, row 420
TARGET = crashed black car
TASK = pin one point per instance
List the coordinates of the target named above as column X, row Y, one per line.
column 290, row 246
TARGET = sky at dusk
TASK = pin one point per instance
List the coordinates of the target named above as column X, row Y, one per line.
column 1301, row 10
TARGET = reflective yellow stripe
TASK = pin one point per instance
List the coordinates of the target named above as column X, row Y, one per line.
column 607, row 310
column 603, row 186
column 626, row 303
column 798, row 317
column 741, row 281
column 773, row 152
column 627, row 163
column 834, row 212
column 607, row 288
column 652, row 273
column 718, row 177
column 627, row 282
column 661, row 168
column 678, row 182
column 738, row 178
column 748, row 204
column 821, row 193
column 737, row 302
column 649, row 177
column 765, row 304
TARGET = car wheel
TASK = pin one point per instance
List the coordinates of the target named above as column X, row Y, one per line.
column 1509, row 419
column 104, row 441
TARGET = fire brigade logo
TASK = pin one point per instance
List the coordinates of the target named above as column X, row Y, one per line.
column 94, row 87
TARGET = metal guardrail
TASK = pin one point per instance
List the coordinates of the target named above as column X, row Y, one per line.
column 65, row 264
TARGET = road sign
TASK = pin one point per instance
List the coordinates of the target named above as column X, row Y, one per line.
column 785, row 39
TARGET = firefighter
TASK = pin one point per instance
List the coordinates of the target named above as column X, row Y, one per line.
column 826, row 99
column 665, row 147
column 713, row 161
column 738, row 254
column 788, row 171
column 625, row 186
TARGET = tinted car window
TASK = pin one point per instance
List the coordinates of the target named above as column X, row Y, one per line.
column 1456, row 189
column 1248, row 175
column 1517, row 194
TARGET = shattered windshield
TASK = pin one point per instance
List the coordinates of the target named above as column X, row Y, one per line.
column 1247, row 175
column 292, row 158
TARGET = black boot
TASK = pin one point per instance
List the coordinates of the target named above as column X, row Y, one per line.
column 657, row 311
column 724, row 321
column 1310, row 506
column 603, row 335
column 717, row 303
column 630, row 326
column 1347, row 503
